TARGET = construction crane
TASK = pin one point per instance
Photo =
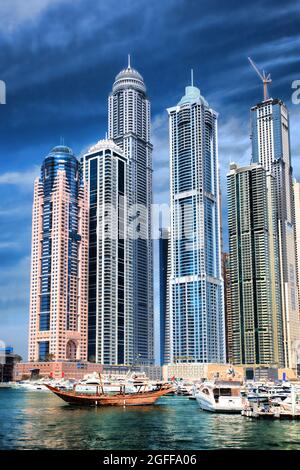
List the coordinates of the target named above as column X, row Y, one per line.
column 266, row 79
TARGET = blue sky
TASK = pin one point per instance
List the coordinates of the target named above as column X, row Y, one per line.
column 59, row 58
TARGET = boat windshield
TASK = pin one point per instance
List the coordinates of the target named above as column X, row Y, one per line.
column 222, row 392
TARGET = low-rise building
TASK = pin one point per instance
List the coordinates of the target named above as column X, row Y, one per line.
column 55, row 370
column 196, row 371
column 8, row 361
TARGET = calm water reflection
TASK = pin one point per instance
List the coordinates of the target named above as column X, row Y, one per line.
column 39, row 420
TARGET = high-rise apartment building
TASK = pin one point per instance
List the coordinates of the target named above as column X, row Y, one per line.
column 110, row 302
column 129, row 128
column 256, row 310
column 296, row 186
column 58, row 295
column 227, row 304
column 164, row 295
column 196, row 284
column 271, row 148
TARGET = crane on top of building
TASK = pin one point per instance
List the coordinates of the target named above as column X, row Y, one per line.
column 265, row 78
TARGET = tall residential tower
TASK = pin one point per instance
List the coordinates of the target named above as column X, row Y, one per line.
column 256, row 326
column 129, row 128
column 110, row 304
column 164, row 294
column 228, row 309
column 196, row 284
column 296, row 186
column 58, row 295
column 271, row 148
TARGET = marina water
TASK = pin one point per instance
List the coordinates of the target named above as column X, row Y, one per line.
column 39, row 420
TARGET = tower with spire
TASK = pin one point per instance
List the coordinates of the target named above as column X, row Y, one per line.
column 59, row 292
column 270, row 138
column 129, row 127
column 196, row 322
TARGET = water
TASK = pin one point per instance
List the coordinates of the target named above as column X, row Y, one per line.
column 39, row 420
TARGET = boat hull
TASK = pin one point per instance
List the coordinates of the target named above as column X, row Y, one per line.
column 226, row 406
column 133, row 399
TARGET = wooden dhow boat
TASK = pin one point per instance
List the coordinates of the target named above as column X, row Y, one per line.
column 142, row 396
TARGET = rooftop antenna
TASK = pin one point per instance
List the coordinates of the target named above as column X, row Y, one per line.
column 105, row 135
column 62, row 140
column 192, row 77
column 128, row 61
column 266, row 79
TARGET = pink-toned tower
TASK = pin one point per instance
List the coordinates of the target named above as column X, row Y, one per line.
column 59, row 264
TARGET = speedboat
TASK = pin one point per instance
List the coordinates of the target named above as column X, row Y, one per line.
column 184, row 389
column 32, row 386
column 220, row 396
column 5, row 385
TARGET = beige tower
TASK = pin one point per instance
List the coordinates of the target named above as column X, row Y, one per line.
column 58, row 297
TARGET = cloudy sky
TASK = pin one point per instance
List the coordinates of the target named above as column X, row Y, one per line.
column 59, row 58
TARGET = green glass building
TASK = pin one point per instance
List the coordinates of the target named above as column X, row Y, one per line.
column 257, row 320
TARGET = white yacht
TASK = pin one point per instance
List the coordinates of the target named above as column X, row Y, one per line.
column 220, row 396
column 112, row 384
column 31, row 386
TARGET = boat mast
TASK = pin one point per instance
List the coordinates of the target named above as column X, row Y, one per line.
column 101, row 383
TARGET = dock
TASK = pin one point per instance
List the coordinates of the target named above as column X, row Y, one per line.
column 272, row 414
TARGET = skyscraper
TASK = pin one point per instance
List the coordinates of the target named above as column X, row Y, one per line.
column 256, row 313
column 271, row 148
column 164, row 295
column 58, row 296
column 110, row 303
column 129, row 128
column 296, row 186
column 196, row 285
column 228, row 309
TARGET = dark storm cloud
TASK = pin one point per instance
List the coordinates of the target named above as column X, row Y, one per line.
column 60, row 68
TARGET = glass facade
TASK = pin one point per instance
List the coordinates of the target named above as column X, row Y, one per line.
column 110, row 310
column 164, row 279
column 58, row 310
column 43, row 350
column 92, row 306
column 256, row 314
column 271, row 148
column 196, row 285
column 60, row 159
column 129, row 128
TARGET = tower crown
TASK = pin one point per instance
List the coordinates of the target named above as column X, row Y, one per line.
column 105, row 144
column 192, row 94
column 62, row 149
column 129, row 78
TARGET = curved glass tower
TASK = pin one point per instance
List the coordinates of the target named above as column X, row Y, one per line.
column 58, row 303
column 196, row 284
column 129, row 128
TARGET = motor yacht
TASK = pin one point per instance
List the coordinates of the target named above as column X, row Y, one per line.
column 220, row 396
